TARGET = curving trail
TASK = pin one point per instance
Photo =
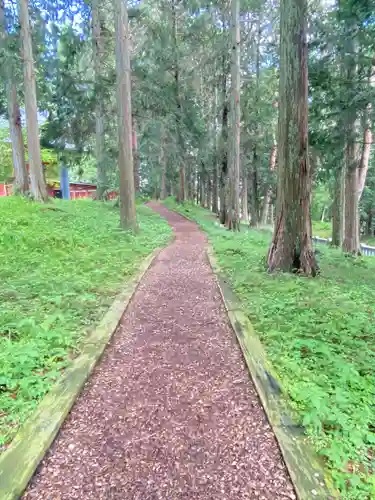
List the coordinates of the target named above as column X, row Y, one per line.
column 170, row 412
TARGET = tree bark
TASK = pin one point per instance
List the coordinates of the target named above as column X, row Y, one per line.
column 351, row 235
column 128, row 219
column 254, row 169
column 224, row 142
column 137, row 186
column 181, row 186
column 291, row 247
column 254, row 194
column 245, row 211
column 352, row 152
column 338, row 208
column 209, row 192
column 178, row 116
column 21, row 183
column 163, row 163
column 38, row 186
column 268, row 195
column 369, row 227
column 101, row 175
column 233, row 221
column 224, row 163
column 215, row 206
column 366, row 152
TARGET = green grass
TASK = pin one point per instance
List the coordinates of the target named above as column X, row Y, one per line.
column 319, row 334
column 322, row 229
column 60, row 270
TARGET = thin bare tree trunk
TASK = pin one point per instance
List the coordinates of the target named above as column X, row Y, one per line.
column 255, row 167
column 182, row 188
column 272, row 214
column 233, row 221
column 128, row 219
column 291, row 247
column 178, row 117
column 38, row 186
column 135, row 156
column 351, row 235
column 338, row 208
column 99, row 113
column 268, row 196
column 21, row 184
column 352, row 154
column 163, row 163
column 245, row 211
column 209, row 192
column 215, row 176
column 366, row 152
column 224, row 152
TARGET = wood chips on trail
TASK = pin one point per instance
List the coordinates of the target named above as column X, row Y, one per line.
column 170, row 412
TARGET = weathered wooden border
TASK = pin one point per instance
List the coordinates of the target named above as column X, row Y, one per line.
column 19, row 462
column 306, row 470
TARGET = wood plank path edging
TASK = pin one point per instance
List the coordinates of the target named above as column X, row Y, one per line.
column 19, row 462
column 305, row 467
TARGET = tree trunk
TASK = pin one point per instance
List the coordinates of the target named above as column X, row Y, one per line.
column 128, row 218
column 272, row 214
column 224, row 164
column 291, row 247
column 163, row 163
column 338, row 209
column 203, row 185
column 224, row 143
column 351, row 235
column 254, row 194
column 38, row 186
column 352, row 153
column 265, row 209
column 255, row 167
column 369, row 228
column 215, row 206
column 245, row 211
column 268, row 195
column 181, row 186
column 209, row 192
column 101, row 175
column 21, row 184
column 178, row 116
column 135, row 155
column 366, row 151
column 323, row 214
column 233, row 221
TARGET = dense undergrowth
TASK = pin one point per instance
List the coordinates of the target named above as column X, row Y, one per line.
column 61, row 265
column 319, row 334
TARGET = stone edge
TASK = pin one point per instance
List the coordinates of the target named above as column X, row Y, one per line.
column 305, row 467
column 19, row 462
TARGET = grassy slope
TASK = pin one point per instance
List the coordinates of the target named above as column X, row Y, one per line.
column 59, row 273
column 320, row 336
column 324, row 230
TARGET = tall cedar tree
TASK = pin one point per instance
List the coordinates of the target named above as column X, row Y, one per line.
column 291, row 247
column 38, row 186
column 21, row 184
column 128, row 218
column 233, row 221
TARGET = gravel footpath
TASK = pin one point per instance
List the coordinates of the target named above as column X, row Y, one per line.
column 170, row 412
